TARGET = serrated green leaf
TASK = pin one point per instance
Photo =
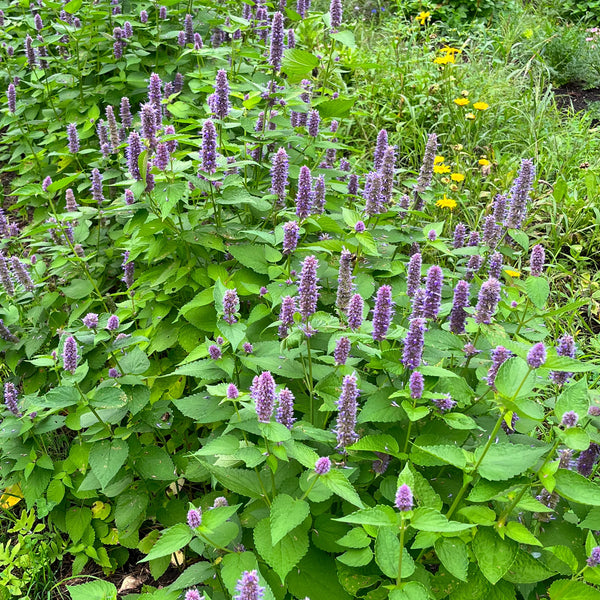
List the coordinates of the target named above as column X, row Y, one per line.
column 428, row 519
column 93, row 590
column 494, row 555
column 387, row 554
column 567, row 589
column 452, row 553
column 172, row 540
column 538, row 290
column 106, row 458
column 357, row 557
column 503, row 461
column 286, row 514
column 518, row 532
column 577, row 488
column 337, row 482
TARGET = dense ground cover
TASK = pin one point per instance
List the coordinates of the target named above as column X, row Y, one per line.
column 296, row 302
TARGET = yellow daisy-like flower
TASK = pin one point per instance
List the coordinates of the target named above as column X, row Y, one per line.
column 444, row 60
column 484, row 162
column 450, row 50
column 441, row 169
column 438, row 159
column 446, row 203
column 423, row 16
column 480, row 106
column 457, row 177
column 512, row 273
column 470, row 116
column 461, row 101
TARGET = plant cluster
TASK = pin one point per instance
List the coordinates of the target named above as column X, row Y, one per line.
column 239, row 339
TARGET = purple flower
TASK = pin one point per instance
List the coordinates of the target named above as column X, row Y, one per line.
column 432, row 235
column 381, row 463
column 214, row 352
column 148, row 117
column 188, row 26
column 404, row 498
column 460, row 232
column 459, row 303
column 113, row 373
column 416, row 385
column 144, row 16
column 322, row 465
column 279, row 175
column 155, row 95
column 473, row 266
column 499, row 208
column 418, row 304
column 519, row 194
column 587, row 459
column 263, row 394
column 11, row 399
column 231, row 305
column 194, row 518
column 487, row 301
column 112, row 323
column 127, row 30
column 11, row 94
column 347, row 407
column 433, row 292
column 133, row 151
column 345, row 280
column 247, row 587
column 314, row 119
column 474, row 239
column 491, row 231
column 536, row 357
column 495, row 265
column 569, row 419
column 128, row 269
column 22, row 274
column 413, row 274
column 382, row 313
column 291, row 38
column 308, row 289
column 162, row 158
column 46, row 183
column 536, row 261
column 291, row 235
column 594, row 558
column 342, row 351
column 426, row 173
column 181, row 39
column 219, row 502
column 112, row 128
column 97, row 193
column 388, row 167
column 70, row 357
column 219, row 101
column 304, row 197
column 445, row 403
column 380, row 148
column 593, row 411
column 285, row 410
column 359, row 227
column 232, row 392
column 353, row 186
column 318, row 206
column 372, row 194
column 30, row 52
column 566, row 347
column 286, row 315
column 276, row 50
column 499, row 356
column 70, row 202
column 335, row 12
column 355, row 312
column 198, row 42
column 6, row 334
column 413, row 344
column 90, row 320
column 193, row 595
column 209, row 147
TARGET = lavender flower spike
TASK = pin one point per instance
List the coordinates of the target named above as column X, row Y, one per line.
column 11, row 94
column 536, row 260
column 276, row 50
column 459, row 303
column 536, row 357
column 520, row 194
column 22, row 274
column 587, row 459
column 416, row 385
column 323, row 465
column 487, row 301
column 426, row 173
column 304, row 197
column 404, row 498
column 247, row 587
column 347, row 407
column 382, row 313
column 148, row 117
column 460, row 232
column 279, row 175
column 5, row 277
column 413, row 343
column 308, row 289
column 219, row 101
column 70, row 357
column 433, row 292
column 291, row 234
column 97, row 193
column 286, row 315
column 318, row 207
column 128, row 269
column 495, row 265
column 73, row 138
column 209, row 147
column 263, row 394
column 355, row 312
column 418, row 303
column 594, row 558
column 6, row 334
column 372, row 194
column 134, row 149
column 413, row 274
column 342, row 350
column 380, row 148
column 285, row 411
column 335, row 12
column 566, row 347
column 231, row 306
column 345, row 280
column 194, row 518
column 11, row 399
column 313, row 122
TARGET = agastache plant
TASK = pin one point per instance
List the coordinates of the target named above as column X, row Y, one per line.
column 263, row 394
column 308, row 289
column 345, row 280
column 382, row 313
column 347, row 411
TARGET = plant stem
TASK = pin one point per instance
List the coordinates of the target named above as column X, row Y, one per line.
column 402, row 531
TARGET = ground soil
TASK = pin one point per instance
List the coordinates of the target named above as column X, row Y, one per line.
column 573, row 96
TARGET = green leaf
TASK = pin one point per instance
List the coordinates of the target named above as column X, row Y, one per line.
column 566, row 363
column 575, row 438
column 297, row 63
column 518, row 532
column 414, row 413
column 252, row 256
column 106, row 458
column 313, row 578
column 173, row 539
column 286, row 514
column 505, row 460
column 355, row 538
column 446, row 453
column 526, row 569
column 412, row 590
column 202, row 409
column 61, row 397
column 284, row 555
column 234, row 333
column 130, row 511
column 514, row 379
column 432, row 371
column 387, row 554
column 135, row 362
column 459, row 421
column 78, row 288
column 428, row 519
column 357, row 557
column 345, row 37
column 538, row 290
column 573, row 397
column 93, row 590
column 377, row 516
column 376, row 443
column 494, row 555
column 73, row 6
column 194, row 575
column 337, row 482
column 452, row 553
column 77, row 520
column 238, row 481
column 567, row 589
column 577, row 488
column 153, row 462
column 335, row 109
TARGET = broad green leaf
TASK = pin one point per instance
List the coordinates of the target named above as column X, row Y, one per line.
column 238, row 481
column 345, row 37
column 538, row 290
column 77, row 519
column 286, row 514
column 313, row 578
column 203, row 409
column 518, row 532
column 135, row 362
column 494, row 555
column 376, row 443
column 412, row 590
column 387, row 554
column 107, row 457
column 577, row 488
column 335, row 108
column 458, row 420
column 452, row 553
column 357, row 557
column 504, row 460
column 298, row 63
column 355, row 538
column 428, row 519
column 93, row 590
column 337, row 482
column 284, row 555
column 573, row 397
column 566, row 363
column 234, row 333
column 61, row 397
column 130, row 511
column 526, row 569
column 377, row 516
column 515, row 379
column 446, row 453
column 575, row 438
column 153, row 462
column 567, row 589
column 415, row 413
column 78, row 288
column 252, row 256
column 173, row 539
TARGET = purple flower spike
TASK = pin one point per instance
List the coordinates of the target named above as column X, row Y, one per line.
column 247, row 587
column 73, row 138
column 231, row 306
column 46, row 183
column 594, row 558
column 587, row 459
column 113, row 128
column 70, row 357
column 113, row 373
column 97, row 193
column 355, row 312
column 342, row 351
column 22, row 274
column 134, row 149
column 279, row 175
column 380, row 148
column 70, row 202
column 336, row 12
column 433, row 292
column 345, row 280
column 193, row 595
column 460, row 232
column 162, row 158
column 209, row 147
column 214, row 352
column 308, row 289
column 232, row 392
column 487, row 301
column 569, row 419
column 30, row 52
column 276, row 50
column 353, row 185
column 194, row 518
column 495, row 265
column 359, row 227
column 347, row 407
column 413, row 274
column 11, row 399
column 416, row 385
column 11, row 94
column 155, row 95
column 519, row 194
column 372, row 194
column 474, row 239
column 459, row 303
column 113, row 323
column 322, row 465
column 566, row 347
column 536, row 261
column 291, row 235
column 188, row 26
column 304, row 197
column 314, row 119
column 536, row 357
column 6, row 334
column 219, row 101
column 148, row 117
column 445, row 403
column 382, row 313
column 144, row 16
column 413, row 344
column 128, row 269
column 285, row 411
column 388, row 168
column 263, row 394
column 499, row 356
column 499, row 208
column 426, row 173
column 404, row 498
column 318, row 206
column 286, row 315
column 491, row 231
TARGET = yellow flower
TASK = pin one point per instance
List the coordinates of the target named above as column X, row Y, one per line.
column 457, row 177
column 444, row 60
column 449, row 50
column 470, row 116
column 512, row 273
column 423, row 16
column 441, row 169
column 446, row 203
column 484, row 162
column 461, row 101
column 481, row 106
column 438, row 159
